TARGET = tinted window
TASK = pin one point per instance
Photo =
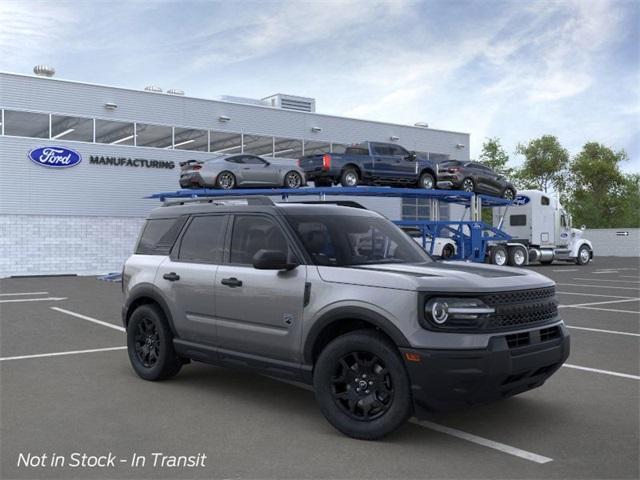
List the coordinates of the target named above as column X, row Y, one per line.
column 252, row 233
column 356, row 151
column 26, row 124
column 518, row 220
column 158, row 236
column 383, row 150
column 71, row 128
column 235, row 159
column 346, row 240
column 399, row 151
column 113, row 132
column 204, row 239
column 253, row 160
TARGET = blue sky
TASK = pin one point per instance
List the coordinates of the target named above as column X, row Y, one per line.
column 515, row 69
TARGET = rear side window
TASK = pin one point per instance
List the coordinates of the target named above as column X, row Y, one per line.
column 518, row 220
column 204, row 240
column 159, row 235
column 356, row 151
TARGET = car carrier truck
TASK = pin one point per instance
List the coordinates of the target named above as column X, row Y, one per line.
column 540, row 231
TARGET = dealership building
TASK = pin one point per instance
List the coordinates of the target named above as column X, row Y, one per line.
column 127, row 144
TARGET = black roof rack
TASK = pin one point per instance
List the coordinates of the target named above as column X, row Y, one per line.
column 248, row 200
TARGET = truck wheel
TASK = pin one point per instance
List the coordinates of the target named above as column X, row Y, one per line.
column 584, row 255
column 448, row 251
column 362, row 386
column 517, row 256
column 150, row 344
column 468, row 185
column 499, row 255
column 427, row 181
column 349, row 178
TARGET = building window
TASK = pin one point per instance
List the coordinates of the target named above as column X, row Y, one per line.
column 114, row 133
column 71, row 128
column 190, row 139
column 26, row 124
column 287, row 148
column 315, row 148
column 258, row 145
column 157, row 136
column 225, row 142
column 415, row 209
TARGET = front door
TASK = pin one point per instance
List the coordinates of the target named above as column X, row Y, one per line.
column 259, row 312
column 187, row 278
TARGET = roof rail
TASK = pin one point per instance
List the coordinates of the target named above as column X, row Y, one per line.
column 239, row 200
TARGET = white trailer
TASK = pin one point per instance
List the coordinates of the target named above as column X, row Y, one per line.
column 541, row 231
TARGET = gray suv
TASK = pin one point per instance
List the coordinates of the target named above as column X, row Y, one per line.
column 339, row 298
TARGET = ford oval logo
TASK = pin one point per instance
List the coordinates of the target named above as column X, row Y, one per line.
column 521, row 200
column 55, row 157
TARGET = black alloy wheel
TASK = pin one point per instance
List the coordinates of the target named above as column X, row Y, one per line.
column 147, row 342
column 362, row 386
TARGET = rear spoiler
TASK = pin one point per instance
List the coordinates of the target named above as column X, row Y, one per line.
column 188, row 162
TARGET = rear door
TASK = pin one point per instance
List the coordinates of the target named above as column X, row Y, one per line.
column 259, row 312
column 187, row 277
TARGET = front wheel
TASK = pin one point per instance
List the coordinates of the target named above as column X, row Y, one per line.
column 448, row 251
column 150, row 344
column 293, row 179
column 362, row 386
column 427, row 181
column 584, row 255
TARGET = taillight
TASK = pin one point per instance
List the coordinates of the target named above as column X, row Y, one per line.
column 326, row 161
column 196, row 167
column 299, row 162
column 454, row 170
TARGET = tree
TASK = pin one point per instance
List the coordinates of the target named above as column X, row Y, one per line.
column 545, row 163
column 495, row 157
column 600, row 195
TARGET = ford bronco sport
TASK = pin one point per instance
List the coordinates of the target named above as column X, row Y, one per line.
column 339, row 298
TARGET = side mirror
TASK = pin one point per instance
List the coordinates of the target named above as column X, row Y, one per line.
column 412, row 156
column 272, row 260
column 583, row 228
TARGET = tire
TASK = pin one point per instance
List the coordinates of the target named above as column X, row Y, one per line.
column 148, row 332
column 226, row 180
column 499, row 255
column 349, row 177
column 448, row 251
column 508, row 194
column 292, row 180
column 427, row 181
column 517, row 256
column 468, row 185
column 387, row 394
column 584, row 255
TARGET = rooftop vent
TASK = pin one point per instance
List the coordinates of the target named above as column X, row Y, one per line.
column 291, row 102
column 175, row 91
column 153, row 88
column 44, row 71
column 421, row 124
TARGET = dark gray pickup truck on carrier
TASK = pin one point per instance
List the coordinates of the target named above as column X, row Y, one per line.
column 371, row 163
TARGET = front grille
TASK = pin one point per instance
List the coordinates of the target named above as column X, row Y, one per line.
column 522, row 307
column 518, row 339
column 519, row 296
column 550, row 333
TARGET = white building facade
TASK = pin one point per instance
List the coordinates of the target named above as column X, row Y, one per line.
column 84, row 219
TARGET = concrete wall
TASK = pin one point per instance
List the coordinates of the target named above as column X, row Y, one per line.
column 609, row 242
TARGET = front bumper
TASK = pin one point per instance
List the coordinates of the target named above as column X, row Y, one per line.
column 450, row 379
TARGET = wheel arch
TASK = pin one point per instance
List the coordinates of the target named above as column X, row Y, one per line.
column 146, row 294
column 343, row 320
column 354, row 166
column 430, row 171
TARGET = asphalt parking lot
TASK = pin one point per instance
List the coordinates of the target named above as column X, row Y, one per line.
column 66, row 386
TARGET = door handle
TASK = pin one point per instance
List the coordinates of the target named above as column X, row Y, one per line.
column 172, row 277
column 231, row 282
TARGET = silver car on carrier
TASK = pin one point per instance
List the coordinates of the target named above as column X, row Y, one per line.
column 241, row 170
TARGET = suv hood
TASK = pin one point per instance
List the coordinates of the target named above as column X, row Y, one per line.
column 437, row 276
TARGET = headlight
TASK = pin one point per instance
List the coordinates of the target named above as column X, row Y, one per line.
column 441, row 310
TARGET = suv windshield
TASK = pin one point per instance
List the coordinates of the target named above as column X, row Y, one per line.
column 350, row 240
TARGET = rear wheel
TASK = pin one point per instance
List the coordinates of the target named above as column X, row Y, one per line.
column 468, row 185
column 517, row 256
column 584, row 255
column 293, row 179
column 362, row 386
column 499, row 255
column 448, row 251
column 509, row 194
column 150, row 344
column 349, row 178
column 226, row 180
column 427, row 181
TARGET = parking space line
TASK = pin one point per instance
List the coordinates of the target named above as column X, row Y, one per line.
column 604, row 280
column 451, row 431
column 516, row 452
column 599, row 303
column 22, row 293
column 628, row 276
column 44, row 299
column 598, row 286
column 89, row 319
column 57, row 354
column 606, row 372
column 604, row 331
column 604, row 272
column 609, row 310
column 567, row 270
column 592, row 295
